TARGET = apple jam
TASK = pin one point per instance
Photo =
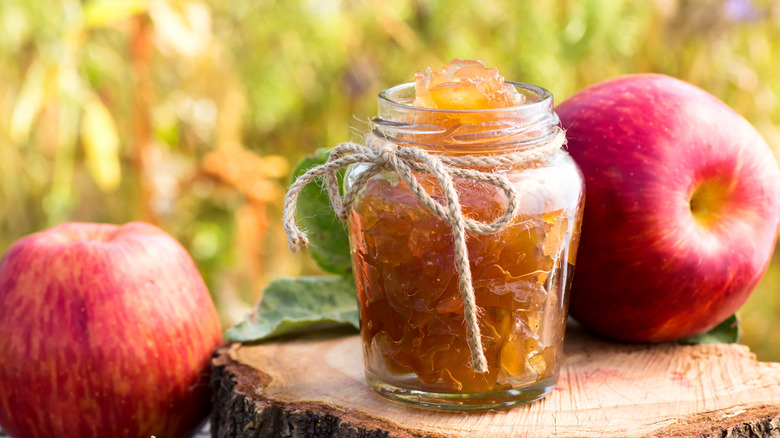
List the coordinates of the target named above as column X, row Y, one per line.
column 412, row 313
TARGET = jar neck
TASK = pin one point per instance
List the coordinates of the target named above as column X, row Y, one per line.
column 469, row 131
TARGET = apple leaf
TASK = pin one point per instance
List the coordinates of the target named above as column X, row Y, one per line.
column 727, row 332
column 329, row 243
column 294, row 304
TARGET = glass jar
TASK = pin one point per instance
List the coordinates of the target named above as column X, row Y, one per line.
column 411, row 311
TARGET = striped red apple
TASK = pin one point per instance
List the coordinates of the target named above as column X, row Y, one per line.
column 681, row 212
column 105, row 331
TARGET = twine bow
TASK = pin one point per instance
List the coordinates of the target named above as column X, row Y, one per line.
column 381, row 155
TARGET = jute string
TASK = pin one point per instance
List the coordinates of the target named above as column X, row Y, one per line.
column 381, row 155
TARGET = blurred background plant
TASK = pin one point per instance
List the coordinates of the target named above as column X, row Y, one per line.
column 189, row 113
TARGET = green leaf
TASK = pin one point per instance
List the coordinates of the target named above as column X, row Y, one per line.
column 727, row 332
column 293, row 304
column 329, row 243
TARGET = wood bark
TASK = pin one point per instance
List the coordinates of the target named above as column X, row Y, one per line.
column 312, row 386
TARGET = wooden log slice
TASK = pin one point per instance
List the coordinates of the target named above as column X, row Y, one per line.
column 313, row 386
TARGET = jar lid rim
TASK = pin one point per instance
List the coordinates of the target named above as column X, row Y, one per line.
column 542, row 95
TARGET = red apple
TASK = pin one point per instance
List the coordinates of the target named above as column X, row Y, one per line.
column 681, row 212
column 105, row 331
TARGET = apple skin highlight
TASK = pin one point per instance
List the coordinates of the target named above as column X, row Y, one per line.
column 682, row 207
column 104, row 331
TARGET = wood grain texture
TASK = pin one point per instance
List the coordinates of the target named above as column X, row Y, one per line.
column 313, row 386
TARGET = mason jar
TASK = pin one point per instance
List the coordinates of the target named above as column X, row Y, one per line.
column 412, row 324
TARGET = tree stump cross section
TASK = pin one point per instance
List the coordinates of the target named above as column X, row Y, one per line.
column 313, row 386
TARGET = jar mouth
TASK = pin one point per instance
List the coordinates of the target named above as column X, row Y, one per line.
column 402, row 97
column 399, row 121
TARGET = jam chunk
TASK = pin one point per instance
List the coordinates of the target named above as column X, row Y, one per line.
column 464, row 85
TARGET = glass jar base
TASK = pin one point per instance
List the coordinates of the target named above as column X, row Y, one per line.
column 464, row 402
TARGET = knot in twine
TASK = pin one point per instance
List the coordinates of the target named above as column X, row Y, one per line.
column 381, row 155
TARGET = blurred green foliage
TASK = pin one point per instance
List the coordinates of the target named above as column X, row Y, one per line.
column 188, row 113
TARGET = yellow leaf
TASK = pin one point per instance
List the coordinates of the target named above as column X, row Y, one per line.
column 185, row 30
column 29, row 103
column 101, row 145
column 102, row 13
column 274, row 166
